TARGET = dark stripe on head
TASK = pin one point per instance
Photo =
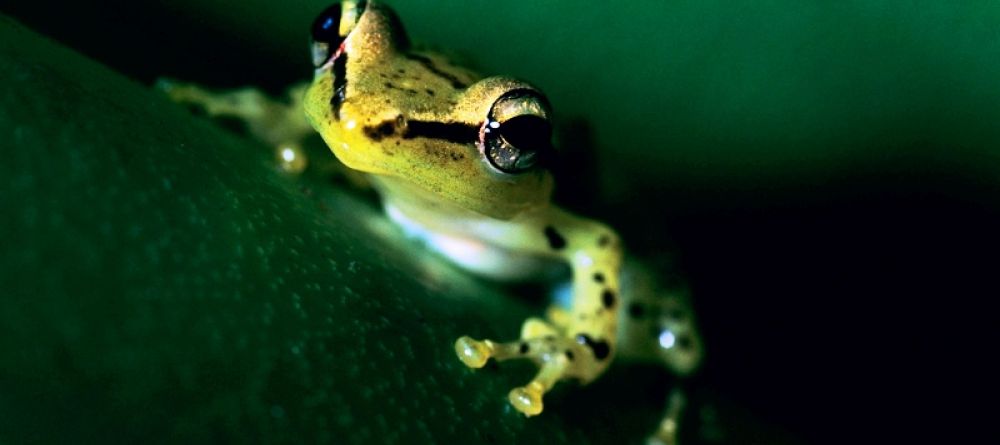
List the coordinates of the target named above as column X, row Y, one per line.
column 339, row 84
column 456, row 132
column 429, row 64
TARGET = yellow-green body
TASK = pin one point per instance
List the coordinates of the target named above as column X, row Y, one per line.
column 447, row 188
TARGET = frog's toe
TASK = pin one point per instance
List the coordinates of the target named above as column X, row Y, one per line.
column 544, row 351
column 473, row 353
column 527, row 399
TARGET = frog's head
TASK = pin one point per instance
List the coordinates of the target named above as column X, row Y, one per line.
column 479, row 144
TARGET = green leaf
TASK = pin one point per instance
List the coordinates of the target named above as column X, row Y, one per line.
column 163, row 282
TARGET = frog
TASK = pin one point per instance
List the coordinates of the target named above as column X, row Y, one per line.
column 463, row 163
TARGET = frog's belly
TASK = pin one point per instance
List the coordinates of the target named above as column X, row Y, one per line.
column 470, row 253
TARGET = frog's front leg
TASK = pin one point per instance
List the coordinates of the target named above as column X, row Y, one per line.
column 280, row 124
column 578, row 343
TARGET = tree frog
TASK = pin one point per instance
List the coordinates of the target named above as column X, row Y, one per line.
column 462, row 162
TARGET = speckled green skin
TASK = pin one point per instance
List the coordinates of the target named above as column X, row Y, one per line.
column 161, row 281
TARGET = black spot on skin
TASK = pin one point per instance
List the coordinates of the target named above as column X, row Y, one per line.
column 636, row 310
column 598, row 277
column 430, row 91
column 600, row 348
column 339, row 84
column 524, row 348
column 608, row 298
column 400, row 70
column 569, row 355
column 604, row 241
column 390, row 85
column 556, row 241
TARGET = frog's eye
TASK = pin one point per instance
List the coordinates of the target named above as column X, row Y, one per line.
column 517, row 133
column 329, row 30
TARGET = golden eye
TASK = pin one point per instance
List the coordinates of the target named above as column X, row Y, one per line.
column 517, row 134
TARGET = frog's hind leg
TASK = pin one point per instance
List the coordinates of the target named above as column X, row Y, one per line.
column 280, row 124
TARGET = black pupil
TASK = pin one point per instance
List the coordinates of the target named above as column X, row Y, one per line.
column 531, row 133
column 326, row 28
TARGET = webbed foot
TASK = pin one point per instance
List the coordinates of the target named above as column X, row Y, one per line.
column 557, row 356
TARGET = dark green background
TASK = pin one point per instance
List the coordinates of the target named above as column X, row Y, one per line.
column 826, row 174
